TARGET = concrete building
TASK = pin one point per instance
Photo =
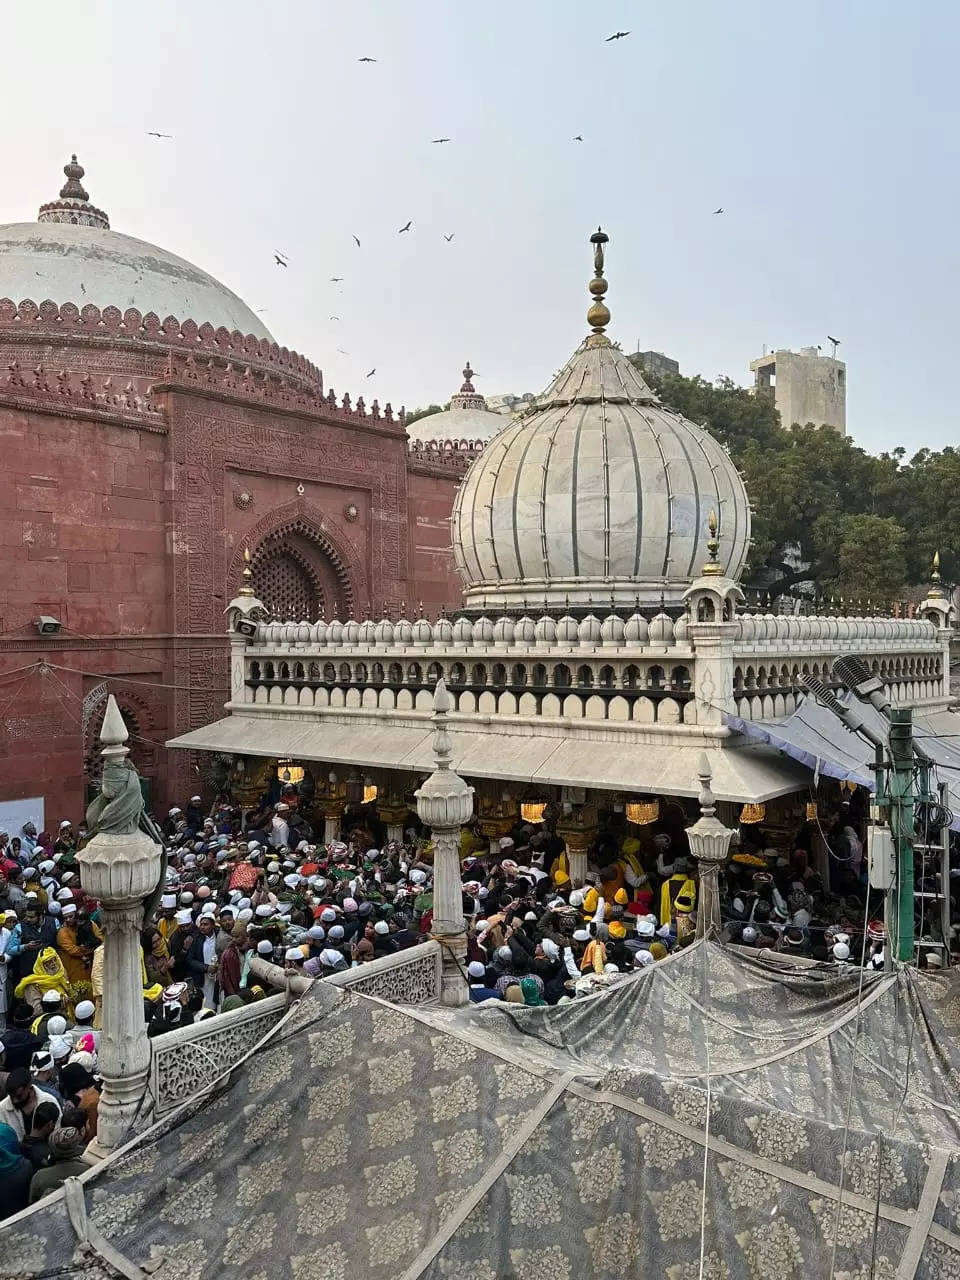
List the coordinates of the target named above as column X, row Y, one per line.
column 805, row 385
column 654, row 362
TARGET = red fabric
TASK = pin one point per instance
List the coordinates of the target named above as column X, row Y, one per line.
column 244, row 877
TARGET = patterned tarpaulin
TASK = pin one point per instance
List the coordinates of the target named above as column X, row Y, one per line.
column 364, row 1140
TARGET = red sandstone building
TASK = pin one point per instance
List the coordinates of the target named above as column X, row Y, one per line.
column 151, row 429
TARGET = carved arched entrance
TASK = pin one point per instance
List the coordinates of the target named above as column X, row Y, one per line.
column 298, row 574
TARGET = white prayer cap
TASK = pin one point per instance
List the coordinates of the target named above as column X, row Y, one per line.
column 642, row 959
column 175, row 810
column 85, row 1009
column 244, row 915
column 69, row 908
column 65, row 823
column 581, row 935
column 50, row 997
column 841, row 951
column 328, row 915
column 194, row 799
column 184, row 917
column 61, row 1046
column 611, row 968
column 331, row 959
column 291, row 881
column 749, row 933
column 418, row 877
column 67, row 876
column 476, row 969
column 56, row 1026
column 316, row 933
column 531, row 915
column 243, row 903
column 29, row 873
column 550, row 949
column 576, row 898
column 293, row 954
column 504, row 954
column 186, row 898
column 209, row 911
column 265, row 947
column 381, row 927
column 264, row 911
column 54, row 908
column 64, row 895
column 168, row 901
column 336, row 933
column 645, row 928
column 47, row 866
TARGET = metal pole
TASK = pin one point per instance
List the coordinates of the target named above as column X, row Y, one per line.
column 901, row 813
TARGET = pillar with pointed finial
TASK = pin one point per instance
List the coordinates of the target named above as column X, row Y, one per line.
column 444, row 804
column 244, row 615
column 120, row 866
column 709, row 842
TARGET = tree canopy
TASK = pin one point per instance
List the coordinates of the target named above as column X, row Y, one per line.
column 866, row 525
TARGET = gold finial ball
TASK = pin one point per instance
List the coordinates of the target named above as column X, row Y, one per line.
column 598, row 315
column 598, row 287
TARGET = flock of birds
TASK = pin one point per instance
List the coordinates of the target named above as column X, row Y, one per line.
column 281, row 259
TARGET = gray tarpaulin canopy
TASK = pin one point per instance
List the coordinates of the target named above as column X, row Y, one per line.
column 740, row 772
column 362, row 1140
column 815, row 737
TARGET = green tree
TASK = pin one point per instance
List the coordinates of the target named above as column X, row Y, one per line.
column 417, row 414
column 860, row 555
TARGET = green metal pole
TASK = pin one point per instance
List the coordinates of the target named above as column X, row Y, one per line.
column 901, row 812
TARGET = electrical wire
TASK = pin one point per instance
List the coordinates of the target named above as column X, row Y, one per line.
column 150, row 684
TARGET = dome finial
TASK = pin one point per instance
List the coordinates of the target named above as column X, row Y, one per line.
column 71, row 189
column 467, row 378
column 598, row 317
column 713, row 568
column 73, row 204
column 936, row 591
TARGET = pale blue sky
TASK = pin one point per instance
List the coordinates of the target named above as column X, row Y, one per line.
column 829, row 133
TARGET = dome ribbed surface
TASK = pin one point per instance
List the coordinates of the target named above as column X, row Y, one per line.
column 597, row 489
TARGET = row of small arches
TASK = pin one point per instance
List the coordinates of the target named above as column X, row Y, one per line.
column 573, row 706
column 538, row 675
column 889, row 670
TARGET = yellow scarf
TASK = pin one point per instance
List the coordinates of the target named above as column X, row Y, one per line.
column 57, row 981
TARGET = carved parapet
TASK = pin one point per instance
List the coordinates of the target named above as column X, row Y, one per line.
column 70, row 390
column 67, row 319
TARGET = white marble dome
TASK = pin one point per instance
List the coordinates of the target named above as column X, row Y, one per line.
column 597, row 490
column 468, row 417
column 71, row 255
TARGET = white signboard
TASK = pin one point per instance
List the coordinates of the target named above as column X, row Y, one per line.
column 14, row 813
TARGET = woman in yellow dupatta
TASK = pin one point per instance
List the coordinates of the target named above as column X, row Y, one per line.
column 48, row 975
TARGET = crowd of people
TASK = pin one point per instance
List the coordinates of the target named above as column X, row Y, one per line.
column 240, row 885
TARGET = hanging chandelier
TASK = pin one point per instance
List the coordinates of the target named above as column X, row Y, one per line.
column 751, row 813
column 642, row 812
column 533, row 810
column 289, row 773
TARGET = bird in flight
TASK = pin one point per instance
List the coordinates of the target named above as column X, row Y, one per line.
column 334, row 317
column 406, row 228
column 578, row 137
column 336, row 279
column 152, row 133
column 280, row 259
column 342, row 352
column 439, row 139
column 372, row 372
column 358, row 242
column 366, row 59
column 617, row 35
column 720, row 210
column 450, row 236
